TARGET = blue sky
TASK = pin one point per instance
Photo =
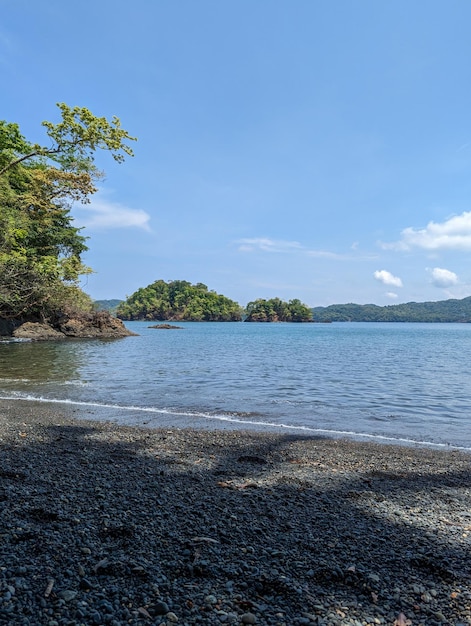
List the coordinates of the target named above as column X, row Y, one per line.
column 312, row 149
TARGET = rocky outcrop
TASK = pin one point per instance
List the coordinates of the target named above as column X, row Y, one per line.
column 98, row 325
column 37, row 332
column 166, row 327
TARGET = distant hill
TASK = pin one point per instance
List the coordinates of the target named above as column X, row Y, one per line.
column 107, row 305
column 443, row 311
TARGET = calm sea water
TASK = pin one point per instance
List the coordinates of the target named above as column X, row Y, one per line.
column 389, row 382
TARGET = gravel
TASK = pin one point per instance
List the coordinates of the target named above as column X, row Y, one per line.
column 101, row 524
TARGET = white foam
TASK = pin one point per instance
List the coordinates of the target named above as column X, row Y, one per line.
column 231, row 419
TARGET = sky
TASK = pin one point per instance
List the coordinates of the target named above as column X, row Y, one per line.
column 311, row 149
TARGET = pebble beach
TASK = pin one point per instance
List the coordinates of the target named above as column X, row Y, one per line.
column 106, row 524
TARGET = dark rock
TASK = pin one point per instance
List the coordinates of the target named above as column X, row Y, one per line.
column 37, row 332
column 7, row 327
column 166, row 327
column 100, row 325
column 160, row 608
column 97, row 325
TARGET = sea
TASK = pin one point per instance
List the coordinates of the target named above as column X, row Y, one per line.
column 402, row 383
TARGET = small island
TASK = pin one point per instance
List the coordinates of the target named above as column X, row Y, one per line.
column 276, row 310
column 166, row 327
column 179, row 300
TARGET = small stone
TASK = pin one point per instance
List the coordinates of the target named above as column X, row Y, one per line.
column 439, row 615
column 85, row 551
column 248, row 618
column 160, row 608
column 211, row 599
column 85, row 584
column 171, row 617
column 96, row 618
column 67, row 594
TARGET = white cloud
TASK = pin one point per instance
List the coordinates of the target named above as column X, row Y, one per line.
column 264, row 244
column 268, row 245
column 387, row 278
column 324, row 254
column 443, row 278
column 453, row 234
column 103, row 215
column 392, row 295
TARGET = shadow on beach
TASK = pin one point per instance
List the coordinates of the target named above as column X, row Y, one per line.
column 108, row 525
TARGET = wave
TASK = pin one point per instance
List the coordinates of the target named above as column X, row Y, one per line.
column 15, row 340
column 44, row 383
column 234, row 419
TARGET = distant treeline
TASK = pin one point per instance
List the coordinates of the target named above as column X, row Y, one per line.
column 179, row 300
column 443, row 311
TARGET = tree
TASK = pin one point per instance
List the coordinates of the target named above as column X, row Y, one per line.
column 179, row 300
column 40, row 248
column 276, row 310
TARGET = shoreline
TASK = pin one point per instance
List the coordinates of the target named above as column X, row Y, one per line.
column 98, row 412
column 108, row 524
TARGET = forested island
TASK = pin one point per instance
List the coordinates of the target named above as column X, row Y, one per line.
column 276, row 310
column 179, row 300
column 443, row 311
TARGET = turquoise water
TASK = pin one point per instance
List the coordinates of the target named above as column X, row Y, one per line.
column 389, row 382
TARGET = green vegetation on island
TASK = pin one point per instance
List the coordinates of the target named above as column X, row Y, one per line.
column 40, row 248
column 443, row 311
column 276, row 310
column 179, row 300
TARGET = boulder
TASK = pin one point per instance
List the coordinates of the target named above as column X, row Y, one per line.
column 99, row 325
column 37, row 332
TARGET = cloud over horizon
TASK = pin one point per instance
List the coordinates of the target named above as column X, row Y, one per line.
column 385, row 277
column 452, row 234
column 443, row 278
